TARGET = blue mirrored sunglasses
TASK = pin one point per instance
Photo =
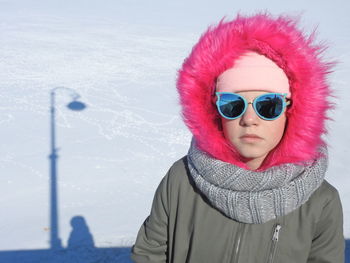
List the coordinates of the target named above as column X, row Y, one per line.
column 268, row 106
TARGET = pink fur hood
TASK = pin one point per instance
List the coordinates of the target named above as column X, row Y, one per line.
column 280, row 40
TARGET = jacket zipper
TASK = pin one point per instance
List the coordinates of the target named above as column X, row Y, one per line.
column 238, row 243
column 274, row 242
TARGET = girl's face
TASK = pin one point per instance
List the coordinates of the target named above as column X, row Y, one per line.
column 269, row 132
column 253, row 75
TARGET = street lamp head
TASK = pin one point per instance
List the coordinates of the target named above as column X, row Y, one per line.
column 76, row 106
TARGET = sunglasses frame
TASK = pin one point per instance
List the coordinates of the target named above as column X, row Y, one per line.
column 285, row 103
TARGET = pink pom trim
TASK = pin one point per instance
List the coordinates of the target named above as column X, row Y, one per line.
column 279, row 40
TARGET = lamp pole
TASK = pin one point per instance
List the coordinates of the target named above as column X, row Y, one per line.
column 55, row 241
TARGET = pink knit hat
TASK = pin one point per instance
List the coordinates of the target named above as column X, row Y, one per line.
column 249, row 72
column 279, row 40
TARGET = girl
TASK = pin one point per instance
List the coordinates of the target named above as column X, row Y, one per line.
column 251, row 188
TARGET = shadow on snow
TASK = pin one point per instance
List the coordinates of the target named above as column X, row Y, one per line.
column 67, row 255
column 80, row 246
column 80, row 249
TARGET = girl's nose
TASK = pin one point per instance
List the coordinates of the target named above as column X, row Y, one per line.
column 249, row 117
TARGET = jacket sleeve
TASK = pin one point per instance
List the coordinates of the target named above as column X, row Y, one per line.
column 152, row 238
column 328, row 244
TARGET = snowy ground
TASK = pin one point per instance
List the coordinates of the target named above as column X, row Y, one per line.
column 122, row 58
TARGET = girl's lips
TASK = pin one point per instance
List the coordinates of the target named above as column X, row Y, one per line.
column 250, row 138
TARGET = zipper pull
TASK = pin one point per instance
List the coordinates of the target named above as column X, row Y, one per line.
column 276, row 233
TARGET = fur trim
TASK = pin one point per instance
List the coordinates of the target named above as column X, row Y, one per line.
column 279, row 40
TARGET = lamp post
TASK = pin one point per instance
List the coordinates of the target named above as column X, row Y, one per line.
column 55, row 241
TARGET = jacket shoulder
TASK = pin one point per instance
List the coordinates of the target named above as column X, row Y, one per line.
column 178, row 171
column 325, row 200
column 326, row 192
column 179, row 181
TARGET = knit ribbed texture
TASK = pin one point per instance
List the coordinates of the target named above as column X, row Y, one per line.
column 256, row 197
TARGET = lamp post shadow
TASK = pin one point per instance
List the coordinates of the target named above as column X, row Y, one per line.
column 81, row 248
column 55, row 241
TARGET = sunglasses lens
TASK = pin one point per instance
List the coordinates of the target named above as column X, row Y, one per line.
column 269, row 106
column 230, row 105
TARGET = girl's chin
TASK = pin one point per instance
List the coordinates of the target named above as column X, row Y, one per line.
column 250, row 155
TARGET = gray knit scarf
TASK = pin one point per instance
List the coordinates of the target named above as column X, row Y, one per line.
column 255, row 197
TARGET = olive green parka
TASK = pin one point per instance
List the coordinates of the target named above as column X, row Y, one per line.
column 184, row 227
